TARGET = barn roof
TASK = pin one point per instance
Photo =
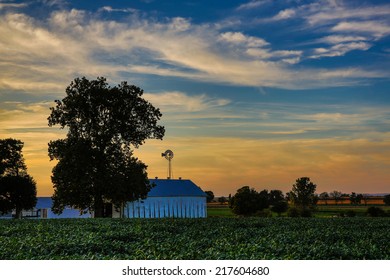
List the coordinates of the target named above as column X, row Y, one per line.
column 174, row 187
column 43, row 202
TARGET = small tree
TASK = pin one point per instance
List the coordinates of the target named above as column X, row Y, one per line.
column 222, row 200
column 386, row 199
column 302, row 194
column 245, row 202
column 365, row 198
column 325, row 197
column 210, row 196
column 17, row 188
column 336, row 196
column 355, row 199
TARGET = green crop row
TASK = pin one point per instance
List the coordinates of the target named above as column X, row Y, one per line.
column 212, row 238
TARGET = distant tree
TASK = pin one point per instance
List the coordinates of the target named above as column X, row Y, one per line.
column 275, row 196
column 355, row 199
column 325, row 197
column 222, row 200
column 263, row 199
column 365, row 198
column 302, row 194
column 245, row 202
column 95, row 160
column 386, row 199
column 17, row 188
column 336, row 196
column 210, row 196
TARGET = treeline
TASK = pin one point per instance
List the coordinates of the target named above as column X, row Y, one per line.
column 300, row 201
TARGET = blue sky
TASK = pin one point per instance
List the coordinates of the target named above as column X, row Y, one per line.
column 252, row 93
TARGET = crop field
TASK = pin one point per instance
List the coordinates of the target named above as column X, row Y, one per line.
column 211, row 238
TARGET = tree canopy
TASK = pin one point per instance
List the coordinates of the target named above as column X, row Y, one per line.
column 17, row 188
column 11, row 158
column 95, row 160
column 302, row 194
column 247, row 201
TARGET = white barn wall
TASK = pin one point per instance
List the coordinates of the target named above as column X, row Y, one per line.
column 167, row 207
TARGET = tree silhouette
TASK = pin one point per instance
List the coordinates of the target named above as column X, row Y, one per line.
column 95, row 161
column 17, row 188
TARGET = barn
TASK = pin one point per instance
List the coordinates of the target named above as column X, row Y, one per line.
column 176, row 198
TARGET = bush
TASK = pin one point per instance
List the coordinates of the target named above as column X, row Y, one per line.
column 350, row 213
column 375, row 212
column 292, row 212
column 279, row 207
column 266, row 213
column 305, row 213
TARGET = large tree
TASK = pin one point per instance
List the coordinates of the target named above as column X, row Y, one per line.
column 11, row 158
column 17, row 188
column 95, row 160
column 302, row 194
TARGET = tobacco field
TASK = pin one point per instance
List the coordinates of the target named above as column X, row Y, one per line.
column 211, row 238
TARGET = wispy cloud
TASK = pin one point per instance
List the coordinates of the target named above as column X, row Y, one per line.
column 123, row 10
column 252, row 4
column 285, row 14
column 12, row 5
column 180, row 102
column 340, row 49
column 375, row 28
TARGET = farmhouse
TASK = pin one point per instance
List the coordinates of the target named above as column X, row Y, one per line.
column 170, row 198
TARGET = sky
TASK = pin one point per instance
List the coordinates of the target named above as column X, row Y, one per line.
column 253, row 93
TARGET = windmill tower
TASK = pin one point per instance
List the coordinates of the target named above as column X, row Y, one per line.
column 168, row 154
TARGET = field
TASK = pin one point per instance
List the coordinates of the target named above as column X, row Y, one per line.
column 211, row 238
column 323, row 211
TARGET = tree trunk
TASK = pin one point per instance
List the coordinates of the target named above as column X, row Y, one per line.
column 18, row 214
column 98, row 207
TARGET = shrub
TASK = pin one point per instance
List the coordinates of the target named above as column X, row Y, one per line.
column 292, row 212
column 375, row 212
column 266, row 213
column 350, row 213
column 305, row 213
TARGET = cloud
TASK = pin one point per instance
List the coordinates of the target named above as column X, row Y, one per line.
column 336, row 39
column 376, row 28
column 110, row 9
column 12, row 5
column 285, row 14
column 48, row 53
column 179, row 102
column 340, row 49
column 252, row 4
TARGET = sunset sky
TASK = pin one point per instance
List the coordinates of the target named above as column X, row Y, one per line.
column 254, row 93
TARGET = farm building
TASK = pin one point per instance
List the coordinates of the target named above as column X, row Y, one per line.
column 170, row 198
column 43, row 211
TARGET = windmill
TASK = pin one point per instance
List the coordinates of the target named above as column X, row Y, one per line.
column 168, row 154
